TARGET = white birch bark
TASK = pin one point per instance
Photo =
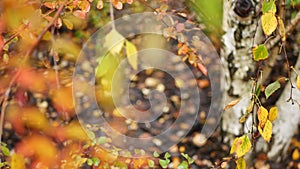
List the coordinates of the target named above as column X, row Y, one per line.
column 238, row 65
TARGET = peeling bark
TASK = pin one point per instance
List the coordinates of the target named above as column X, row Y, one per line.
column 238, row 68
column 238, row 64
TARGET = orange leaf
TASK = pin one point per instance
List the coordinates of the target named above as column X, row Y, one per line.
column 62, row 100
column 31, row 80
column 231, row 104
column 40, row 148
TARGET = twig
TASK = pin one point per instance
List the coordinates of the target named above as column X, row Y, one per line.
column 44, row 31
column 54, row 60
column 29, row 52
column 4, row 103
column 112, row 17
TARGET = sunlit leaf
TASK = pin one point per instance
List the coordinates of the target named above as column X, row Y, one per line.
column 266, row 132
column 132, row 56
column 183, row 165
column 151, row 163
column 104, row 65
column 231, row 104
column 296, row 154
column 298, row 82
column 271, row 88
column 5, row 151
column 17, row 161
column 273, row 114
column 67, row 47
column 241, row 146
column 100, row 4
column 268, row 6
column 114, row 41
column 281, row 29
column 80, row 14
column 41, row 147
column 33, row 118
column 74, row 131
column 269, row 23
column 260, row 52
column 32, row 80
column 62, row 100
column 241, row 163
column 262, row 114
column 84, row 5
column 68, row 24
column 118, row 4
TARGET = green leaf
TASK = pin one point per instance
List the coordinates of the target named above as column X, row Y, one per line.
column 268, row 6
column 96, row 161
column 187, row 157
column 164, row 163
column 167, row 155
column 241, row 146
column 101, row 140
column 271, row 88
column 155, row 154
column 89, row 162
column 260, row 52
column 258, row 90
column 114, row 41
column 131, row 53
column 151, row 163
column 5, row 150
column 241, row 163
column 183, row 165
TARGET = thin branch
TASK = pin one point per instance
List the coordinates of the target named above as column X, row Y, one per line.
column 112, row 17
column 4, row 102
column 44, row 31
column 29, row 52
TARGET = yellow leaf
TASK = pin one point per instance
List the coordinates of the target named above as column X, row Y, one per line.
column 273, row 114
column 68, row 24
column 17, row 162
column 75, row 131
column 281, row 29
column 241, row 146
column 132, row 56
column 35, row 119
column 298, row 82
column 114, row 41
column 296, row 154
column 241, row 163
column 266, row 133
column 269, row 23
column 231, row 104
column 262, row 114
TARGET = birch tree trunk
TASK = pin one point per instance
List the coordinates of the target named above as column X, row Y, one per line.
column 243, row 31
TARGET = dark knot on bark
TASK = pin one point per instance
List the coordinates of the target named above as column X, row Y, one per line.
column 243, row 8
